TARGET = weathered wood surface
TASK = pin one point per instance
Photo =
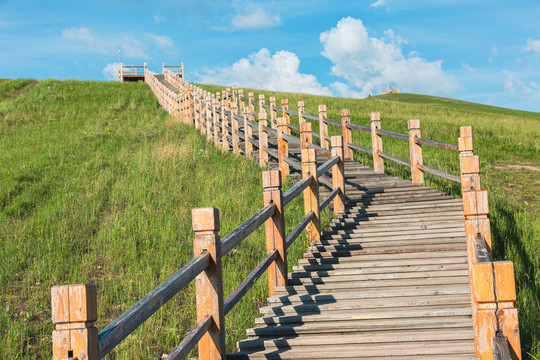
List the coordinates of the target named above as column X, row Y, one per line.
column 388, row 277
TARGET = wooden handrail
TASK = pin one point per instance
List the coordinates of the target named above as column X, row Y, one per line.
column 323, row 168
column 131, row 319
column 236, row 236
column 297, row 189
column 248, row 282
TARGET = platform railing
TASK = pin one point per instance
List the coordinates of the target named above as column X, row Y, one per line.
column 130, row 71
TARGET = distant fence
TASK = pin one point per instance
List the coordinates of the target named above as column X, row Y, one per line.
column 219, row 117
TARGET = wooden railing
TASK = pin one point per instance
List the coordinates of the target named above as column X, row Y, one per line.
column 177, row 70
column 226, row 117
column 130, row 70
column 74, row 307
column 495, row 318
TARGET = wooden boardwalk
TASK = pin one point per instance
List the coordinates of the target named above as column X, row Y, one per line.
column 389, row 278
column 402, row 271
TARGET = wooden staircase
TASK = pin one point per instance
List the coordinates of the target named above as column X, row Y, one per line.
column 388, row 279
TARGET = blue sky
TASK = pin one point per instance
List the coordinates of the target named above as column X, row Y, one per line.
column 480, row 51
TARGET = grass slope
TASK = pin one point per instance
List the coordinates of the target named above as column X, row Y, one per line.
column 504, row 139
column 97, row 186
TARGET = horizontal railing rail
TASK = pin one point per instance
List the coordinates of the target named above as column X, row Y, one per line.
column 130, row 320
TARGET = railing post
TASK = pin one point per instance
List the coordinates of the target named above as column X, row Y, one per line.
column 209, row 119
column 202, row 118
column 305, row 134
column 415, row 151
column 234, row 129
column 250, row 105
column 263, row 139
column 323, row 127
column 275, row 230
column 376, row 141
column 191, row 105
column 300, row 112
column 196, row 117
column 234, row 95
column 248, row 131
column 284, row 108
column 120, row 77
column 347, row 135
column 209, row 284
column 261, row 103
column 216, row 120
column 283, row 148
column 240, row 101
column 223, row 98
column 224, row 124
column 311, row 195
column 338, row 174
column 492, row 283
column 163, row 67
column 273, row 113
column 74, row 311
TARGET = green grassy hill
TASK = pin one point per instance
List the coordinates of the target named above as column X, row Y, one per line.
column 98, row 182
column 508, row 144
column 97, row 186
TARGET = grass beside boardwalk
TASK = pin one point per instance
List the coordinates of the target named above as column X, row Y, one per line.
column 97, row 186
column 504, row 139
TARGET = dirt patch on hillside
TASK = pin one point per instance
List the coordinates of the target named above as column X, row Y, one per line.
column 516, row 167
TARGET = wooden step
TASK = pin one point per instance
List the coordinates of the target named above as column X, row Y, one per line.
column 363, row 326
column 348, row 304
column 359, row 294
column 378, row 270
column 371, row 277
column 458, row 348
column 394, row 337
column 381, row 285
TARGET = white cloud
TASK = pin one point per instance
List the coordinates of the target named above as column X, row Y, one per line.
column 368, row 64
column 261, row 70
column 111, row 71
column 163, row 42
column 81, row 35
column 90, row 42
column 159, row 19
column 518, row 89
column 256, row 18
column 492, row 53
column 533, row 45
column 379, row 3
column 468, row 67
column 133, row 47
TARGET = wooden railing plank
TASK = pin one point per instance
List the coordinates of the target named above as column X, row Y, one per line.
column 130, row 320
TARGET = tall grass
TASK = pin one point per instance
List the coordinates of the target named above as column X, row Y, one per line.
column 97, row 186
column 501, row 137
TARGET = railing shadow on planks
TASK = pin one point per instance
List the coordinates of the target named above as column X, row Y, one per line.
column 220, row 116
